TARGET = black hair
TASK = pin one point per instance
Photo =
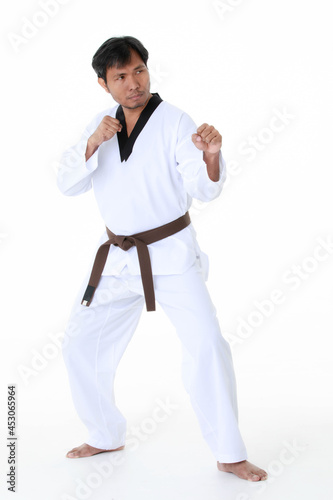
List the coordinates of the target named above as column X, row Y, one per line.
column 116, row 51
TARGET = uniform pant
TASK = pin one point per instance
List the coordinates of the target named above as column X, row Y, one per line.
column 97, row 336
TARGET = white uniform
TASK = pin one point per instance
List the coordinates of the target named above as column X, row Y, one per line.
column 160, row 173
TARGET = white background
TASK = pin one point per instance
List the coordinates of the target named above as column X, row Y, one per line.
column 233, row 64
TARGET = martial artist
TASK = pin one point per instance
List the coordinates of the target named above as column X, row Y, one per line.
column 145, row 160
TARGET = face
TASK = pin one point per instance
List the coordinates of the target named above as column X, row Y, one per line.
column 129, row 85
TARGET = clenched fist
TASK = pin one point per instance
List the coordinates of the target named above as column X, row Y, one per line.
column 105, row 131
column 207, row 139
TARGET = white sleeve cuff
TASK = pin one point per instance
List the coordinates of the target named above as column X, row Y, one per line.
column 92, row 163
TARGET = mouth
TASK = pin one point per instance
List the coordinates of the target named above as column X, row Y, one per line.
column 136, row 96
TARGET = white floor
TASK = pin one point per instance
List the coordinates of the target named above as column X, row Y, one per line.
column 285, row 416
column 170, row 460
column 174, row 463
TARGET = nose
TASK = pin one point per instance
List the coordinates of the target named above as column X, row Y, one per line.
column 133, row 83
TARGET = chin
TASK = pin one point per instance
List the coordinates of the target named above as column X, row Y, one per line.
column 139, row 103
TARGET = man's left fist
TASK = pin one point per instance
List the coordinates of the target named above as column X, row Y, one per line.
column 207, row 139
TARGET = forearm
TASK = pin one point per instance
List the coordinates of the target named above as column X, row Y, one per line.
column 91, row 148
column 212, row 163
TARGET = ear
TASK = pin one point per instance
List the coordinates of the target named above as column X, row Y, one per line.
column 103, row 84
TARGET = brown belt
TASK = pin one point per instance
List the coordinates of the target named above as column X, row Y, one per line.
column 140, row 240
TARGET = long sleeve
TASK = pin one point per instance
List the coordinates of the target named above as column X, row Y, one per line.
column 75, row 173
column 191, row 166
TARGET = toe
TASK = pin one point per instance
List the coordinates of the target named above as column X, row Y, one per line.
column 72, row 453
column 253, row 477
column 262, row 474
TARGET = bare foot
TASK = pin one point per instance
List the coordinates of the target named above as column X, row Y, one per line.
column 244, row 470
column 85, row 450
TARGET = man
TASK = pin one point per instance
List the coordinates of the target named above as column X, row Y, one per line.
column 146, row 160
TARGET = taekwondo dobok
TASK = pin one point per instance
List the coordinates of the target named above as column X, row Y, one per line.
column 144, row 185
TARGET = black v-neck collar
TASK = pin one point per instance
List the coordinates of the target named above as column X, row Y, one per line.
column 126, row 143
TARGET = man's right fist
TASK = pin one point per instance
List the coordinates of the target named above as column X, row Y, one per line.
column 105, row 131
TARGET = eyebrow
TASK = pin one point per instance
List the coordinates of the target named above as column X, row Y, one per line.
column 137, row 67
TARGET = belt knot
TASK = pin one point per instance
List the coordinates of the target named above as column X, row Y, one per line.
column 140, row 240
column 124, row 242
